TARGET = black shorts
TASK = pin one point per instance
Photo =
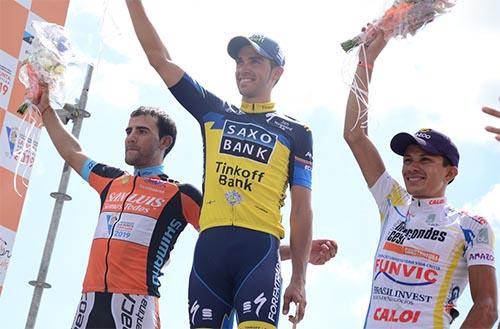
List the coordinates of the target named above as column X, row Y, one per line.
column 235, row 268
column 105, row 310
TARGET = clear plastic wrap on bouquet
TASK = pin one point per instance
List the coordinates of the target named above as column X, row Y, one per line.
column 50, row 55
column 403, row 18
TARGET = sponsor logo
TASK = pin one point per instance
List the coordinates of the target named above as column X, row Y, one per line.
column 111, row 221
column 482, row 256
column 436, row 201
column 82, row 308
column 423, row 135
column 483, row 236
column 232, row 110
column 233, row 198
column 400, row 234
column 406, row 274
column 22, row 148
column 4, row 251
column 259, row 301
column 273, row 309
column 237, row 177
column 431, row 219
column 479, row 219
column 127, row 312
column 401, row 295
column 247, row 140
column 454, row 294
column 5, row 254
column 247, row 307
column 206, row 314
column 136, row 202
column 154, row 181
column 280, row 123
column 193, row 310
column 166, row 244
column 388, row 315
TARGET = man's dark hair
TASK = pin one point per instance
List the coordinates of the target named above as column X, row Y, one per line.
column 273, row 65
column 166, row 126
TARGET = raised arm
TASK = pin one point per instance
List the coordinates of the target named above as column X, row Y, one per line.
column 491, row 129
column 300, row 246
column 152, row 45
column 483, row 288
column 66, row 144
column 356, row 117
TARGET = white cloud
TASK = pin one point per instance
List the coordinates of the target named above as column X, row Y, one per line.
column 359, row 306
column 487, row 206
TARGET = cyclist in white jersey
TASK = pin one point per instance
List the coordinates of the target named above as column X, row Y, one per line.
column 428, row 252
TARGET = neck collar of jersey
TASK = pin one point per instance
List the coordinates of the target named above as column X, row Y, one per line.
column 149, row 171
column 257, row 107
column 431, row 204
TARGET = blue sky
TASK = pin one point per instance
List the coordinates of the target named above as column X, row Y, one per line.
column 439, row 78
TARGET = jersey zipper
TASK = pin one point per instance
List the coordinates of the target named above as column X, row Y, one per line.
column 111, row 235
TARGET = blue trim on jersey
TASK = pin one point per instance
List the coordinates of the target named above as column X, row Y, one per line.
column 255, row 267
column 302, row 176
column 149, row 171
column 87, row 167
column 208, row 288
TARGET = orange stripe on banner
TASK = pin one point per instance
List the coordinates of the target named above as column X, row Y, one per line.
column 11, row 203
column 17, row 95
column 53, row 11
column 2, row 116
column 13, row 18
column 403, row 250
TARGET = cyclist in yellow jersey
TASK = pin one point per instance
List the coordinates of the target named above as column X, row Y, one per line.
column 428, row 251
column 252, row 154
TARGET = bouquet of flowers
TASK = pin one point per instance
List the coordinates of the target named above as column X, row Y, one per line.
column 402, row 18
column 46, row 63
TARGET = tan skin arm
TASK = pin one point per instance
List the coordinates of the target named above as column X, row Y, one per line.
column 356, row 131
column 66, row 144
column 491, row 129
column 483, row 288
column 300, row 246
column 322, row 250
column 152, row 45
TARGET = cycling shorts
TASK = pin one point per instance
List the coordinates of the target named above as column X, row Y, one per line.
column 105, row 310
column 235, row 268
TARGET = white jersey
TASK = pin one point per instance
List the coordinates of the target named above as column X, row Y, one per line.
column 421, row 263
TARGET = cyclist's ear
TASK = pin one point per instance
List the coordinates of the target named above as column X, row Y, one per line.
column 165, row 142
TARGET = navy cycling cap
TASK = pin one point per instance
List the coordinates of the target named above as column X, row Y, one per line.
column 263, row 45
column 431, row 141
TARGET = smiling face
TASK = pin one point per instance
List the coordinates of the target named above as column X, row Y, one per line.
column 425, row 175
column 143, row 147
column 255, row 75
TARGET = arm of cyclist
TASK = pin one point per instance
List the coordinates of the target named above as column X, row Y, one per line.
column 66, row 144
column 300, row 246
column 152, row 45
column 483, row 288
column 322, row 250
column 491, row 129
column 356, row 117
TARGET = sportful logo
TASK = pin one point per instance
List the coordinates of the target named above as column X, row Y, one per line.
column 247, row 140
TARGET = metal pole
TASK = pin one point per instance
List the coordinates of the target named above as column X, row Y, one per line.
column 77, row 113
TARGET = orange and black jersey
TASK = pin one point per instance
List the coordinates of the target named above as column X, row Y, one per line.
column 252, row 154
column 140, row 220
